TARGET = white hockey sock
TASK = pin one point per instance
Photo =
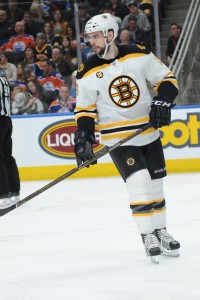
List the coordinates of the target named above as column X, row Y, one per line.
column 139, row 189
column 158, row 199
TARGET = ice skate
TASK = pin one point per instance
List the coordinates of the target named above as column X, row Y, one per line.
column 5, row 201
column 152, row 247
column 14, row 197
column 169, row 246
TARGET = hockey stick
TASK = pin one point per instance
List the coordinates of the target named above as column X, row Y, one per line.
column 73, row 171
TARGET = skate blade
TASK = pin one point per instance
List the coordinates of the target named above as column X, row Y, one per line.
column 154, row 259
column 170, row 253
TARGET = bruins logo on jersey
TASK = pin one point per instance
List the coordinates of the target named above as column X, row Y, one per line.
column 130, row 161
column 124, row 91
column 99, row 74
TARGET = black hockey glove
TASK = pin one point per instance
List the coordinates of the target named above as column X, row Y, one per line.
column 83, row 146
column 160, row 113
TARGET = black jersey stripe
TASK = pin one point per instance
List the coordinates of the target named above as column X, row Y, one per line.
column 114, row 130
column 85, row 111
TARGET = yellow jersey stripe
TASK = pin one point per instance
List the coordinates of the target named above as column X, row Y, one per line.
column 141, row 203
column 84, row 114
column 96, row 69
column 132, row 55
column 124, row 134
column 160, row 210
column 143, row 214
column 90, row 107
column 119, row 124
column 158, row 200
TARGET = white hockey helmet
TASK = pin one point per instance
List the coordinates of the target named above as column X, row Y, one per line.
column 104, row 23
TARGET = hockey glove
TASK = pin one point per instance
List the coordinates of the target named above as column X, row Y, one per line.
column 83, row 146
column 160, row 113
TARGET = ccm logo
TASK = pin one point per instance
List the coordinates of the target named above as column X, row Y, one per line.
column 57, row 139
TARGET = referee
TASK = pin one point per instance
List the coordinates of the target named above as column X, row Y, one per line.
column 9, row 175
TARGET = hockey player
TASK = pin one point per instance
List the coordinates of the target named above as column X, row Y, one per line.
column 112, row 89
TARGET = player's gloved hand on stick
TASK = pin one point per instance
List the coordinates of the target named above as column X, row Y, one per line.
column 160, row 113
column 83, row 146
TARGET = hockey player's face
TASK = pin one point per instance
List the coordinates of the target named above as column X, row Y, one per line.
column 97, row 42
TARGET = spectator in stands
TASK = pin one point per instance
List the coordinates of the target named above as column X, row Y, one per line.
column 57, row 40
column 24, row 103
column 20, row 41
column 86, row 52
column 64, row 102
column 66, row 48
column 39, row 12
column 108, row 8
column 119, row 9
column 34, row 106
column 147, row 7
column 36, row 90
column 172, row 41
column 30, row 61
column 6, row 31
column 83, row 16
column 139, row 36
column 125, row 37
column 142, row 20
column 43, row 51
column 59, row 25
column 50, row 80
column 14, row 89
column 28, row 74
column 73, row 42
column 9, row 68
column 14, row 12
column 72, row 91
column 18, row 102
column 32, row 27
column 48, row 31
column 20, row 79
column 61, row 66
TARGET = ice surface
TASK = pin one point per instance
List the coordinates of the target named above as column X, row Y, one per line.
column 78, row 241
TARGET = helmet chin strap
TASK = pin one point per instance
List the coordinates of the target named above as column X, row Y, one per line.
column 106, row 48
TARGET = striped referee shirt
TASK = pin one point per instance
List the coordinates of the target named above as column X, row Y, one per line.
column 4, row 97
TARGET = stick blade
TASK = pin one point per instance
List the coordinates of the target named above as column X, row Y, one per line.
column 4, row 211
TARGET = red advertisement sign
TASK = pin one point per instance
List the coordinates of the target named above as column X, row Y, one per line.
column 57, row 139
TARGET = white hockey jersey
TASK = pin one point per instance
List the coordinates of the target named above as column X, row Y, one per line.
column 115, row 93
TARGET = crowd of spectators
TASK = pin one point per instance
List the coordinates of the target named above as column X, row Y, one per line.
column 38, row 47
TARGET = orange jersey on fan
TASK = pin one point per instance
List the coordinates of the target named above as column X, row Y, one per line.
column 19, row 44
column 52, row 82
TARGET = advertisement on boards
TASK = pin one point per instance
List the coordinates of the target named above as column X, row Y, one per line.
column 48, row 140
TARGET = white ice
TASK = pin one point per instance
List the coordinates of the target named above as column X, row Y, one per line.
column 78, row 241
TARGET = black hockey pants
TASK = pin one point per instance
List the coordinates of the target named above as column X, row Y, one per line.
column 9, row 175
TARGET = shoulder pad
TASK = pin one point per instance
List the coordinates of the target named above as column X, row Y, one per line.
column 88, row 65
column 134, row 49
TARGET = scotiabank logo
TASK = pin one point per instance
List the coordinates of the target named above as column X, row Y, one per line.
column 182, row 133
column 57, row 139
